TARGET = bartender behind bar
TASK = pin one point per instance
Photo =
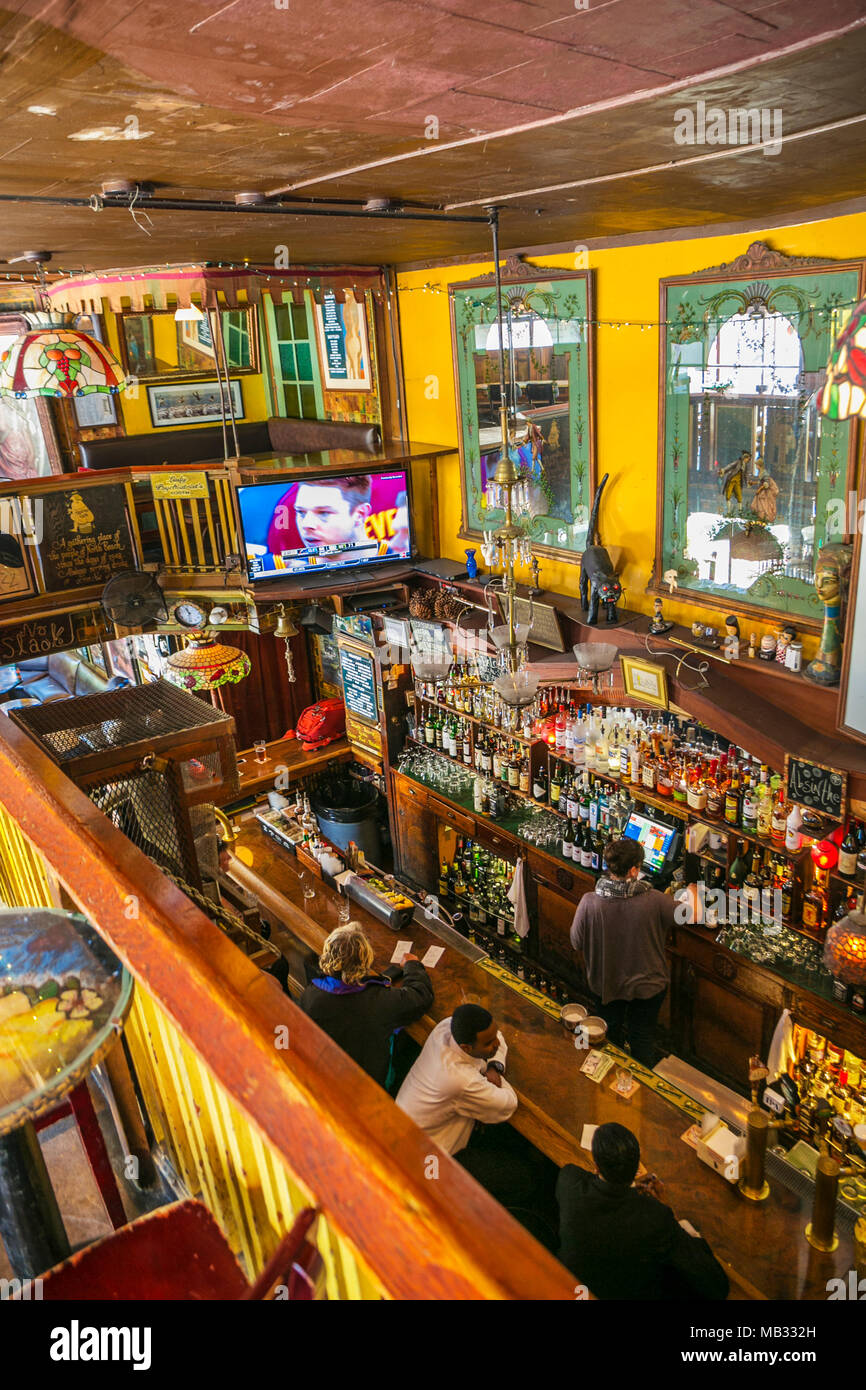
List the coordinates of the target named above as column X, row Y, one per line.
column 620, row 930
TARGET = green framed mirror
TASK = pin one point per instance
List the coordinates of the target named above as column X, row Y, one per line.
column 546, row 334
column 752, row 478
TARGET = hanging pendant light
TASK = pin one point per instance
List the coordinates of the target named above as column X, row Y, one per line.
column 207, row 664
column 60, row 362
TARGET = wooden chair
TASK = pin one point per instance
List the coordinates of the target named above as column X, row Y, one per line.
column 179, row 1253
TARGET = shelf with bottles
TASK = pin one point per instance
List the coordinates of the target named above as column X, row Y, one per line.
column 823, row 1091
column 451, row 711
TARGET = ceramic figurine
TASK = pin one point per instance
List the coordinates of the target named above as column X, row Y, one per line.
column 832, row 569
column 783, row 642
column 765, row 500
column 732, row 480
column 753, row 640
column 732, row 638
column 536, row 587
column 768, row 647
column 471, row 565
column 659, row 623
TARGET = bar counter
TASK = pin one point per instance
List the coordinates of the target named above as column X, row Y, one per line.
column 762, row 1246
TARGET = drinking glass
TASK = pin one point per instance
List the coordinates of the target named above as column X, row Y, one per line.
column 261, row 749
column 345, row 911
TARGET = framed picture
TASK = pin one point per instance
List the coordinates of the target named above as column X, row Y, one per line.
column 192, row 403
column 154, row 346
column 545, row 630
column 344, row 349
column 544, row 330
column 645, row 681
column 16, row 581
column 753, row 480
column 85, row 536
column 95, row 410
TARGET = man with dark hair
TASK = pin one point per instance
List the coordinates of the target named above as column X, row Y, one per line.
column 326, row 512
column 620, row 1239
column 621, row 930
column 458, row 1079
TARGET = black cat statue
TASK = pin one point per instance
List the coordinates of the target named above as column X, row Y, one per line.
column 598, row 581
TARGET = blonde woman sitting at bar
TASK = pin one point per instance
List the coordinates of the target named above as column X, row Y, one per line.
column 359, row 1009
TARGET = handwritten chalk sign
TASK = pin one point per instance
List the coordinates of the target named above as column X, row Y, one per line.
column 86, row 537
column 812, row 784
column 37, row 638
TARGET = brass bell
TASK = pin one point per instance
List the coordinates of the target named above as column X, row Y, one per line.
column 285, row 627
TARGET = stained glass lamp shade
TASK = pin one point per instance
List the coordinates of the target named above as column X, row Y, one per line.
column 845, row 949
column 206, row 664
column 844, row 391
column 59, row 362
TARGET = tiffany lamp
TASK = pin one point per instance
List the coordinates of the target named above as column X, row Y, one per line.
column 59, row 362
column 844, row 391
column 206, row 665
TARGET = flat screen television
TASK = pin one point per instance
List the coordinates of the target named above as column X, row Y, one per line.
column 658, row 841
column 322, row 522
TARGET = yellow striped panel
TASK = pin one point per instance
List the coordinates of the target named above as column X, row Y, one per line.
column 24, row 879
column 223, row 1159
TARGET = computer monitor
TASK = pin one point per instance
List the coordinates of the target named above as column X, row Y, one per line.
column 658, row 841
column 323, row 522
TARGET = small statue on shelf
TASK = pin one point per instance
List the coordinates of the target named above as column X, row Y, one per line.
column 831, row 581
column 732, row 480
column 536, row 587
column 732, row 637
column 471, row 565
column 659, row 624
column 783, row 642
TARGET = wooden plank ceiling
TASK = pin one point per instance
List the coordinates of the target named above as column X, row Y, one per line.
column 565, row 116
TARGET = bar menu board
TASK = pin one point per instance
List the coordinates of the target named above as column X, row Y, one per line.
column 358, row 668
column 85, row 537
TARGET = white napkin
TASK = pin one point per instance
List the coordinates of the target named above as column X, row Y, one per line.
column 517, row 898
column 782, row 1047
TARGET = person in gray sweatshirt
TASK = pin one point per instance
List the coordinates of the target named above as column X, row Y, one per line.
column 621, row 930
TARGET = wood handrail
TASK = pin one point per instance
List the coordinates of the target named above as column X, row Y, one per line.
column 359, row 1155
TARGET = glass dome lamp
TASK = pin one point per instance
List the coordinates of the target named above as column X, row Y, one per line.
column 596, row 658
column 845, row 948
column 501, row 639
column 430, row 665
column 517, row 688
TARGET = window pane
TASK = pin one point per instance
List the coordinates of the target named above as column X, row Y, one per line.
column 308, row 403
column 305, row 361
column 282, row 321
column 299, row 321
column 287, row 361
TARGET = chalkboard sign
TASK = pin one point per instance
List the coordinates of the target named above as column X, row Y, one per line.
column 812, row 784
column 85, row 537
column 40, row 637
column 359, row 683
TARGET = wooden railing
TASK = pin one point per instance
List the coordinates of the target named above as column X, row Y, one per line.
column 259, row 1111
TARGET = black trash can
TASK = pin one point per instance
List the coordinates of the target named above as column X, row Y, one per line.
column 349, row 812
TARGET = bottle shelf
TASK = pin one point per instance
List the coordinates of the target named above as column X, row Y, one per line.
column 481, row 723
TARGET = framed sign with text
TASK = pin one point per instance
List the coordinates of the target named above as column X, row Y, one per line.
column 85, row 537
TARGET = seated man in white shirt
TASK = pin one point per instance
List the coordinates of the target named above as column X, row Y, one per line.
column 459, row 1079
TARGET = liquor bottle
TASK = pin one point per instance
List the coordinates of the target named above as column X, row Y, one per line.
column 749, row 807
column 752, row 888
column 568, row 841
column 597, row 853
column 715, row 795
column 586, row 848
column 443, row 879
column 792, row 830
column 429, row 730
column 740, row 868
column 765, row 810
column 785, row 883
column 539, row 784
column 815, row 905
column 663, row 777
column 467, row 743
column 583, row 801
column 778, row 823
column 514, row 770
column 732, row 799
column 861, row 851
column 560, row 729
column 696, row 793
column 593, row 807
column 613, row 760
column 848, row 853
column 555, row 785
column 572, row 805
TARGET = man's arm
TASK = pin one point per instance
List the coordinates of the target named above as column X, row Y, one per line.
column 576, row 933
column 479, row 1100
column 692, row 1264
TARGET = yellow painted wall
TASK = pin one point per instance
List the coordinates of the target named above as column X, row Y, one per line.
column 626, row 288
column 134, row 408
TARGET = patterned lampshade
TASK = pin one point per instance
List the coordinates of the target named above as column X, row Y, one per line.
column 206, row 664
column 59, row 362
column 845, row 949
column 844, row 391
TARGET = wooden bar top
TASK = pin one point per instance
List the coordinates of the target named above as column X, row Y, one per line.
column 762, row 1245
column 287, row 755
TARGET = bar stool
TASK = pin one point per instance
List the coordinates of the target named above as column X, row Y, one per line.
column 179, row 1253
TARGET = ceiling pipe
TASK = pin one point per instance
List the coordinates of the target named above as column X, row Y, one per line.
column 103, row 201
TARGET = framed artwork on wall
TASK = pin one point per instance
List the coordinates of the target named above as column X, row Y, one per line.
column 344, row 348
column 752, row 478
column 193, row 403
column 547, row 339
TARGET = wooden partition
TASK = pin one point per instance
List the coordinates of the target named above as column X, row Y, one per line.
column 259, row 1111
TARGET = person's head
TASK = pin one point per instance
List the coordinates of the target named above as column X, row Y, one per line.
column 331, row 511
column 616, row 1154
column 347, row 953
column 473, row 1030
column 624, row 858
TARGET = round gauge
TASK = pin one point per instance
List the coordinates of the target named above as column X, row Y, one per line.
column 188, row 614
column 218, row 615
